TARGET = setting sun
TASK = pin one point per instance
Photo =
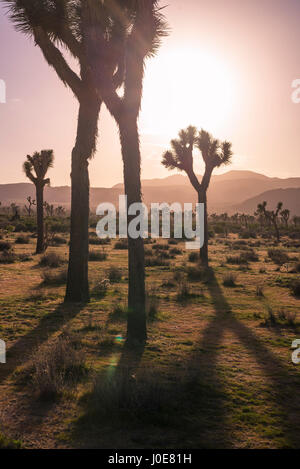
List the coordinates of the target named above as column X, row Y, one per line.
column 186, row 86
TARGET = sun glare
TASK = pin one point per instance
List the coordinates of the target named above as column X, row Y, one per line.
column 186, row 87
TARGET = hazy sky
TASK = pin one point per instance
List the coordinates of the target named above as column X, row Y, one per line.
column 227, row 66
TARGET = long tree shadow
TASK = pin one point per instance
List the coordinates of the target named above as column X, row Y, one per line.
column 281, row 381
column 21, row 350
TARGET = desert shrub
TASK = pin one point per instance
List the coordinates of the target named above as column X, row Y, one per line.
column 236, row 260
column 22, row 240
column 278, row 256
column 21, row 228
column 250, row 255
column 99, row 241
column 121, row 244
column 101, row 287
column 175, row 251
column 158, row 260
column 160, row 247
column 52, row 260
column 229, row 280
column 287, row 317
column 58, row 240
column 7, row 257
column 58, row 367
column 172, row 241
column 243, row 258
column 262, row 270
column 54, row 278
column 114, row 274
column 119, row 313
column 193, row 256
column 97, row 256
column 247, row 234
column 5, row 246
column 199, row 273
column 295, row 288
column 183, row 291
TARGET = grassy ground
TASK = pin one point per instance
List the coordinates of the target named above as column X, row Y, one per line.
column 216, row 370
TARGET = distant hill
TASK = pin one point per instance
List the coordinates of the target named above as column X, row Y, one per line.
column 289, row 197
column 232, row 191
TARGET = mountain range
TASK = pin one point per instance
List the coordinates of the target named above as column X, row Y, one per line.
column 234, row 191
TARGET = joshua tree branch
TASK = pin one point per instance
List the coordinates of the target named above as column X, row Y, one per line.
column 55, row 58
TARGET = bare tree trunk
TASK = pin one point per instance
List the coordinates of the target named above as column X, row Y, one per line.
column 202, row 198
column 136, row 326
column 77, row 283
column 40, row 217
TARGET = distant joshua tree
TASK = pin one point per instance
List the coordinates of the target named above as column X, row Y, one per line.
column 31, row 203
column 214, row 154
column 271, row 216
column 285, row 216
column 39, row 163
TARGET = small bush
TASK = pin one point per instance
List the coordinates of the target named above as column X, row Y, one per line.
column 5, row 246
column 114, row 274
column 122, row 244
column 193, row 256
column 119, row 313
column 96, row 256
column 278, row 256
column 101, row 287
column 175, row 251
column 99, row 241
column 22, row 240
column 58, row 367
column 54, row 278
column 172, row 241
column 51, row 260
column 229, row 280
column 58, row 241
column 199, row 273
column 158, row 260
column 7, row 257
column 160, row 247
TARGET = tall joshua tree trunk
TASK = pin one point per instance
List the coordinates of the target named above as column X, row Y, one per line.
column 202, row 199
column 136, row 325
column 40, row 245
column 77, row 284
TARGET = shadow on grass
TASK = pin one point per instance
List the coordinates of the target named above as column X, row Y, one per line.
column 281, row 383
column 190, row 409
column 21, row 350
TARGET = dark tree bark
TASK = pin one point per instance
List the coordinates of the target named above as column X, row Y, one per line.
column 136, row 325
column 40, row 245
column 202, row 199
column 77, row 283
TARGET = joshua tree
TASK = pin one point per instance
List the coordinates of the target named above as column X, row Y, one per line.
column 141, row 40
column 31, row 203
column 214, row 154
column 39, row 163
column 270, row 215
column 110, row 40
column 285, row 216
